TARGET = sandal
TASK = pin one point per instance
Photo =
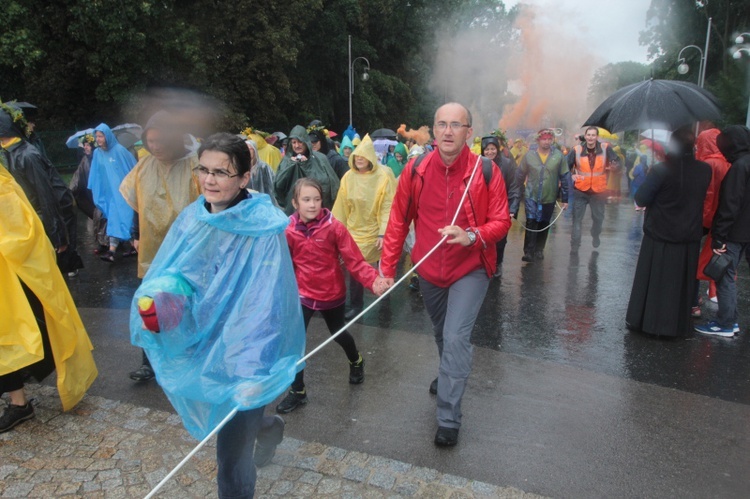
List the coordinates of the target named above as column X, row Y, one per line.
column 130, row 252
column 109, row 256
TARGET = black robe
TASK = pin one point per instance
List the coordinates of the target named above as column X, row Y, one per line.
column 665, row 276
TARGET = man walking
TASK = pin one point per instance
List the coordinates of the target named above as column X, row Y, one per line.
column 542, row 171
column 731, row 226
column 590, row 164
column 454, row 279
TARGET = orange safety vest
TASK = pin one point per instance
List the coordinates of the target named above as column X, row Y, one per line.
column 593, row 178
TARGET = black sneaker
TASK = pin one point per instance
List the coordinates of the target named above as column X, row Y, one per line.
column 352, row 313
column 145, row 373
column 267, row 441
column 414, row 283
column 433, row 387
column 596, row 242
column 539, row 256
column 292, row 401
column 15, row 415
column 527, row 257
column 357, row 371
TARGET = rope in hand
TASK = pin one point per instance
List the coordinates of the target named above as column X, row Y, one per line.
column 550, row 224
column 234, row 411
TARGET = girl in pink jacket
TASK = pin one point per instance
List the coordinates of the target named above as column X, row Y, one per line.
column 316, row 242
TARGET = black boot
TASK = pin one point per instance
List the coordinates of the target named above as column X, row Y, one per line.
column 529, row 241
column 541, row 240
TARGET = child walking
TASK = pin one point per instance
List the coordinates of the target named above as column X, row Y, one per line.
column 316, row 242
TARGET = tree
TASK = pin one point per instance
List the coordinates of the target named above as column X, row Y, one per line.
column 614, row 76
column 674, row 24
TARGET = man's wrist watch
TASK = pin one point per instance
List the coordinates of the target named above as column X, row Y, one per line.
column 472, row 236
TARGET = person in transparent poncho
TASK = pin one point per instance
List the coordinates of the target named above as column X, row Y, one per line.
column 218, row 314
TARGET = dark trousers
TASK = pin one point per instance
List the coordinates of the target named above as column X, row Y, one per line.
column 726, row 288
column 235, row 444
column 334, row 318
column 596, row 201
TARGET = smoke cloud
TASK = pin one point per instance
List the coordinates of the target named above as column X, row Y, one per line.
column 524, row 76
column 421, row 136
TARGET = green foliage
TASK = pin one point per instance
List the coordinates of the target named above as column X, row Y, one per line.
column 674, row 24
column 609, row 78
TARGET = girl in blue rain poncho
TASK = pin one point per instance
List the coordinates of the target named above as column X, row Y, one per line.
column 110, row 164
column 219, row 315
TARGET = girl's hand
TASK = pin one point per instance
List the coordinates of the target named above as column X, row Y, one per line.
column 379, row 243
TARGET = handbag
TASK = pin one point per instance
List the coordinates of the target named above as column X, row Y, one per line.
column 717, row 266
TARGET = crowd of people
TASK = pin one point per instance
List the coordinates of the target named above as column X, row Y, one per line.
column 292, row 214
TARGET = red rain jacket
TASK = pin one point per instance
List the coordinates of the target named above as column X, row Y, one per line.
column 707, row 151
column 315, row 250
column 429, row 197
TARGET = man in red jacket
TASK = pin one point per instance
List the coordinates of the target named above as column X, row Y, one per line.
column 454, row 279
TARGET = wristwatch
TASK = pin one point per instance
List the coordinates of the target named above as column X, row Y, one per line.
column 471, row 235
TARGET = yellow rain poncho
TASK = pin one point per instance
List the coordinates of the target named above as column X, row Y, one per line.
column 158, row 193
column 476, row 146
column 364, row 200
column 266, row 152
column 26, row 254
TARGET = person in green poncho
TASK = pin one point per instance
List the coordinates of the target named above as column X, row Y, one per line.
column 398, row 161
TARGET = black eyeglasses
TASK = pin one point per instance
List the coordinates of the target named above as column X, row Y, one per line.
column 455, row 125
column 219, row 175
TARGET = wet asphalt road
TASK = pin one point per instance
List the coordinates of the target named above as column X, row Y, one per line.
column 563, row 400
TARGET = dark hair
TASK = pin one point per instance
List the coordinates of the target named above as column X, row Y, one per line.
column 231, row 145
column 596, row 129
column 305, row 182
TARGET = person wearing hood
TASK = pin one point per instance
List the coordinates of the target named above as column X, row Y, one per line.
column 158, row 188
column 708, row 151
column 363, row 205
column 41, row 330
column 79, row 186
column 545, row 172
column 346, row 147
column 730, row 228
column 261, row 174
column 321, row 143
column 492, row 149
column 266, row 152
column 43, row 186
column 301, row 160
column 664, row 281
column 399, row 159
column 109, row 166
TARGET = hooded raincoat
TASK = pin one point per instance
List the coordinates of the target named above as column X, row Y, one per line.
column 315, row 166
column 394, row 164
column 364, row 201
column 108, row 169
column 27, row 256
column 261, row 174
column 228, row 310
column 266, row 152
column 346, row 143
column 158, row 193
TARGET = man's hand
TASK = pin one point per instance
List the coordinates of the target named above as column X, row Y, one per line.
column 456, row 235
column 379, row 243
column 721, row 250
column 564, row 206
column 380, row 286
column 62, row 248
column 576, row 177
column 136, row 243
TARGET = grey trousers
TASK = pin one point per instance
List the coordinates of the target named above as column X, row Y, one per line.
column 597, row 202
column 726, row 288
column 453, row 311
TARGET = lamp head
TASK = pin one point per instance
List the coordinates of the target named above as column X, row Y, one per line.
column 365, row 75
column 683, row 68
column 739, row 40
column 737, row 54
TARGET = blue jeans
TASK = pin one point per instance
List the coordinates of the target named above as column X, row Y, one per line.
column 234, row 455
column 726, row 288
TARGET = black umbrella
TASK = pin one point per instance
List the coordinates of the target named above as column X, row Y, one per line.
column 383, row 133
column 665, row 104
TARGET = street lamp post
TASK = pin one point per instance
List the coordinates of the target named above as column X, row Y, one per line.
column 737, row 54
column 683, row 67
column 365, row 76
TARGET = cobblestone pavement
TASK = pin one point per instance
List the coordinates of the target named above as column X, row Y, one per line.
column 104, row 448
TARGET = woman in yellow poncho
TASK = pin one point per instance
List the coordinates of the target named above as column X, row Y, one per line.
column 363, row 205
column 41, row 330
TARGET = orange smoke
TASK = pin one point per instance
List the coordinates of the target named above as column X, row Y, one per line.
column 421, row 136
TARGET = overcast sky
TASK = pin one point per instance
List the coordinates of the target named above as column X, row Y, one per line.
column 609, row 28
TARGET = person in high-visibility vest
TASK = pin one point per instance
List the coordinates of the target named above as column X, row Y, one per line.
column 590, row 164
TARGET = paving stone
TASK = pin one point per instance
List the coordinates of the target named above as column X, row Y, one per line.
column 309, row 463
column 424, row 474
column 454, row 481
column 335, row 453
column 382, row 479
column 329, row 486
column 356, row 473
column 310, row 477
column 282, row 487
column 484, row 489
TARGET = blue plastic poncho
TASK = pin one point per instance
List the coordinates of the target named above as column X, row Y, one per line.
column 108, row 168
column 228, row 310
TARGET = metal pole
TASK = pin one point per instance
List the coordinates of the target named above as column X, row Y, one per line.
column 351, row 83
column 704, row 59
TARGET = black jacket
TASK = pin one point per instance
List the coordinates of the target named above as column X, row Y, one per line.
column 46, row 190
column 674, row 192
column 732, row 218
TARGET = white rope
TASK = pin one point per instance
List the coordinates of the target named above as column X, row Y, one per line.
column 326, row 342
column 550, row 224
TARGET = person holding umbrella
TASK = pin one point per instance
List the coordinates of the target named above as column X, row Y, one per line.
column 664, row 282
